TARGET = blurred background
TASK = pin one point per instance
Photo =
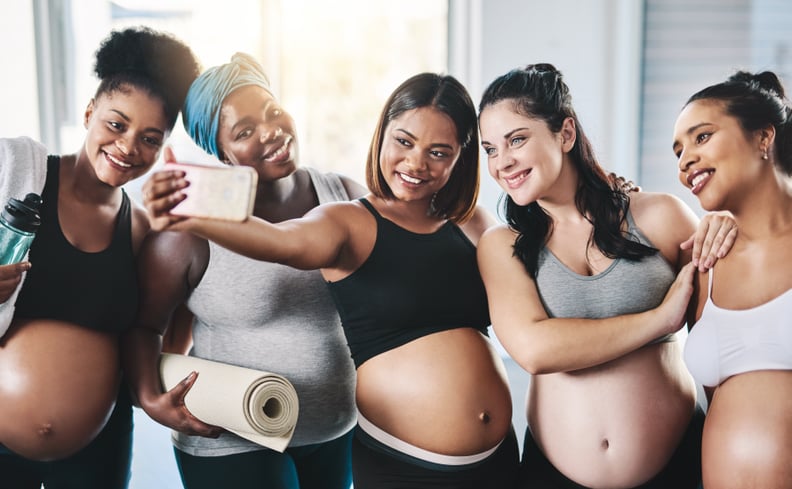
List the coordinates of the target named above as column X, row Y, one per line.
column 630, row 65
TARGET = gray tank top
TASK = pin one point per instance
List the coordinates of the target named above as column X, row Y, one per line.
column 625, row 287
column 278, row 319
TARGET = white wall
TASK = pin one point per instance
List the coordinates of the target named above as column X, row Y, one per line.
column 18, row 96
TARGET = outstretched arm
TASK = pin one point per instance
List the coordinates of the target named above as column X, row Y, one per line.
column 308, row 243
column 311, row 242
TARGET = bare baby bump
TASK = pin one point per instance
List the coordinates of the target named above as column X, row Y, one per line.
column 58, row 385
column 747, row 431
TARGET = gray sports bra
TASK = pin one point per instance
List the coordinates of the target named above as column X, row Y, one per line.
column 625, row 287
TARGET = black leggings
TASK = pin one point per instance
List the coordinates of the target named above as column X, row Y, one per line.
column 103, row 464
column 683, row 470
column 375, row 466
column 319, row 466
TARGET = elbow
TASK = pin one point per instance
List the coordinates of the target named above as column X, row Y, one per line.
column 535, row 367
column 527, row 346
column 535, row 361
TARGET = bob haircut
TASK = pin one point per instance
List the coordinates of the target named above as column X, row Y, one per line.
column 456, row 201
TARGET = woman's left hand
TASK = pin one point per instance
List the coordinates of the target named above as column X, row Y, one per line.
column 712, row 240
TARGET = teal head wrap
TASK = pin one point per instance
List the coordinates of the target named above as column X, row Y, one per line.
column 201, row 114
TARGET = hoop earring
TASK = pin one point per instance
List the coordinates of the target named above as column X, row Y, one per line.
column 432, row 209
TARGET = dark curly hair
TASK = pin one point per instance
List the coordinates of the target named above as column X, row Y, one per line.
column 149, row 60
column 539, row 91
column 756, row 101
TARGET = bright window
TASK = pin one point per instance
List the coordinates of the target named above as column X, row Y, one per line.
column 332, row 64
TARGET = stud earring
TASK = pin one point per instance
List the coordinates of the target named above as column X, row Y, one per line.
column 764, row 155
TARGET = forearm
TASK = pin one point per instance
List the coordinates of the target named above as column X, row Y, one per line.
column 140, row 356
column 254, row 238
column 307, row 244
column 564, row 344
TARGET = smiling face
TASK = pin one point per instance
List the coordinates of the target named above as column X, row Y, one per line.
column 419, row 151
column 523, row 155
column 717, row 160
column 126, row 129
column 255, row 131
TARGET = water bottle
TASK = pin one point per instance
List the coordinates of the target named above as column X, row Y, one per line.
column 19, row 222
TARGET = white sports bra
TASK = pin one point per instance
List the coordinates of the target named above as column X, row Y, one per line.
column 728, row 342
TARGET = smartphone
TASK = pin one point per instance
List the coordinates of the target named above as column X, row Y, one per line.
column 217, row 192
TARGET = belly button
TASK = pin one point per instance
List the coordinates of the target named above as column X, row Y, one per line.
column 45, row 430
column 484, row 417
column 605, row 444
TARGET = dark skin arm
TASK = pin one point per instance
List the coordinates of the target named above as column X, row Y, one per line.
column 178, row 336
column 10, row 277
column 169, row 265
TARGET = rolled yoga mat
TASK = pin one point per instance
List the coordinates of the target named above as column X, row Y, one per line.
column 259, row 406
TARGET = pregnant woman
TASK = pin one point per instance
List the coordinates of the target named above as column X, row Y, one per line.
column 64, row 422
column 734, row 148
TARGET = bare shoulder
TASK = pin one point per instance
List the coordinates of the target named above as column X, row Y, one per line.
column 167, row 248
column 656, row 209
column 497, row 237
column 664, row 219
column 478, row 224
column 343, row 221
column 174, row 254
column 640, row 201
column 338, row 211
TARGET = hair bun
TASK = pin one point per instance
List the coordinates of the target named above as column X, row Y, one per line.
column 124, row 52
column 542, row 68
column 766, row 80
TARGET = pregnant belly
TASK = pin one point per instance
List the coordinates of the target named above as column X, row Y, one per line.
column 748, row 432
column 58, row 385
column 446, row 392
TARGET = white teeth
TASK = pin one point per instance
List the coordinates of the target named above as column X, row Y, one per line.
column 117, row 161
column 410, row 179
column 516, row 178
column 279, row 152
column 699, row 178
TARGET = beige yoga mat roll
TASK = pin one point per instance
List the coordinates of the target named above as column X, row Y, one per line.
column 259, row 406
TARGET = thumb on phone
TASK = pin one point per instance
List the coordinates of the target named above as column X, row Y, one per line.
column 168, row 155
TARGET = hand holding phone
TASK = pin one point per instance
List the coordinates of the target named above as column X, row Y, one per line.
column 217, row 192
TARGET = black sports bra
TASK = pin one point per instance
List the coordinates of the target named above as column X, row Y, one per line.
column 96, row 290
column 410, row 286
